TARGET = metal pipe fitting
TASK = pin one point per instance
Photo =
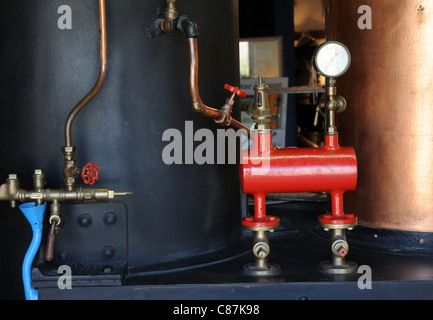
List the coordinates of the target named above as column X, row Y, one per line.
column 261, row 114
column 70, row 170
column 261, row 250
column 170, row 14
column 339, row 249
column 10, row 191
column 197, row 103
column 54, row 222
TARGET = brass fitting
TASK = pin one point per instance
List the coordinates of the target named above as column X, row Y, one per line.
column 261, row 114
column 339, row 249
column 170, row 14
column 225, row 117
column 333, row 104
column 70, row 171
column 11, row 191
column 261, row 250
column 12, row 186
column 54, row 221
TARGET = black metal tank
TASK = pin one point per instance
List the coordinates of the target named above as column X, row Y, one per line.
column 177, row 212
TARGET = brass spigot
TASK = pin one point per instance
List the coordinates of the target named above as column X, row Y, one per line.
column 55, row 221
column 170, row 14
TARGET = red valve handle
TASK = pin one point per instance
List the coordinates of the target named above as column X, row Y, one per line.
column 90, row 173
column 235, row 90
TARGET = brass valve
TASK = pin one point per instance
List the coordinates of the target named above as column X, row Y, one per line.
column 261, row 250
column 339, row 248
column 226, row 111
column 332, row 103
column 261, row 114
column 170, row 14
column 11, row 191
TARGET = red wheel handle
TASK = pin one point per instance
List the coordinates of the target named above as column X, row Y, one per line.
column 235, row 90
column 90, row 173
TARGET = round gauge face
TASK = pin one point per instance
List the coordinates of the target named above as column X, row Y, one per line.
column 331, row 59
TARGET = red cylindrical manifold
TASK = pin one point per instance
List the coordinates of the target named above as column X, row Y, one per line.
column 266, row 169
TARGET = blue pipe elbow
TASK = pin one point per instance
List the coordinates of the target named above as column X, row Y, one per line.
column 35, row 216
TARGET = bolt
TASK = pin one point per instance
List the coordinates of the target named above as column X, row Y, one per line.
column 12, row 176
column 108, row 252
column 38, row 171
column 63, row 255
column 84, row 220
column 110, row 218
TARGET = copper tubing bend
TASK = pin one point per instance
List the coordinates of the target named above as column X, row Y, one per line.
column 198, row 104
column 99, row 82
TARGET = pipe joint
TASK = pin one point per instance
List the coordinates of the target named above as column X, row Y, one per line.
column 186, row 26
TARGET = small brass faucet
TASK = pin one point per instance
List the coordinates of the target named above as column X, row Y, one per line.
column 170, row 14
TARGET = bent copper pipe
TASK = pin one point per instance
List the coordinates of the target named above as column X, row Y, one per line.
column 99, row 82
column 198, row 105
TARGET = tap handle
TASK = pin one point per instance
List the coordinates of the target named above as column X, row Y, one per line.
column 235, row 90
column 90, row 173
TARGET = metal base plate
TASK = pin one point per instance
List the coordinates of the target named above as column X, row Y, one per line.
column 328, row 267
column 271, row 270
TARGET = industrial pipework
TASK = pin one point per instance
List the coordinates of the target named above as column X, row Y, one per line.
column 266, row 169
column 331, row 168
column 183, row 24
column 11, row 190
column 90, row 172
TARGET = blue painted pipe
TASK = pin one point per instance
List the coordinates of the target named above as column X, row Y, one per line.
column 35, row 216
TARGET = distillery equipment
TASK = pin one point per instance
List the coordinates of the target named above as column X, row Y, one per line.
column 331, row 168
column 389, row 124
column 92, row 106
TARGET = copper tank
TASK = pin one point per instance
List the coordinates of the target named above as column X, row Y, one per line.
column 389, row 118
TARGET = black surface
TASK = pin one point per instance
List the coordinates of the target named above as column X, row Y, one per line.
column 297, row 247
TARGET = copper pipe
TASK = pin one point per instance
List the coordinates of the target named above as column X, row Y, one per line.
column 99, row 82
column 198, row 104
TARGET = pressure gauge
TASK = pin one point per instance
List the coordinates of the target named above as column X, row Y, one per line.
column 331, row 59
